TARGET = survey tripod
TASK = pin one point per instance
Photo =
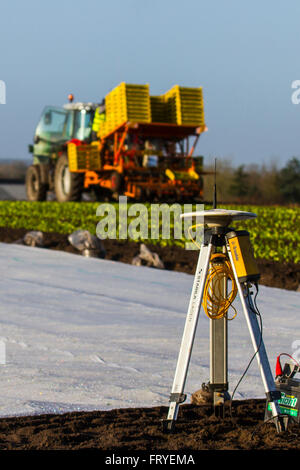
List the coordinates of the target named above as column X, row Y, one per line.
column 235, row 246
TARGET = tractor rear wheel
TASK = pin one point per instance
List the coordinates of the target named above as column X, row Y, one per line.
column 68, row 186
column 35, row 189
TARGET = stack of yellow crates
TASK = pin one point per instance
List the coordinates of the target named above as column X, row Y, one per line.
column 124, row 103
column 158, row 109
column 180, row 105
column 185, row 106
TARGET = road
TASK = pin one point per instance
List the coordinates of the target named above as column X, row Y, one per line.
column 12, row 191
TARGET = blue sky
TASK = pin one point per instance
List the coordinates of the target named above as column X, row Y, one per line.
column 244, row 54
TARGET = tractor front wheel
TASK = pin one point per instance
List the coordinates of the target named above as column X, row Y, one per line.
column 68, row 186
column 35, row 189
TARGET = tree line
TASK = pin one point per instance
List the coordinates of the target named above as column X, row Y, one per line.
column 254, row 184
column 264, row 184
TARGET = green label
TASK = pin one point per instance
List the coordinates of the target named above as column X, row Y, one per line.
column 288, row 400
column 283, row 409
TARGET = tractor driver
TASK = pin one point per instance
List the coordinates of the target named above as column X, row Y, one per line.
column 99, row 117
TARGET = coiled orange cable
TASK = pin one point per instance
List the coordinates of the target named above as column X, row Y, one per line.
column 216, row 302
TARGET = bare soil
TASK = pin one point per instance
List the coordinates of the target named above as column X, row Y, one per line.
column 139, row 429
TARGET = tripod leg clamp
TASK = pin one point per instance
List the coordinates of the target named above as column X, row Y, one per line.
column 273, row 395
column 168, row 425
column 177, row 397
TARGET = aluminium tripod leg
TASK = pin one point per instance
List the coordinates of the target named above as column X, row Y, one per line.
column 263, row 363
column 177, row 395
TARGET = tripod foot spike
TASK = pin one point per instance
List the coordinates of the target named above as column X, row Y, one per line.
column 281, row 423
column 168, row 425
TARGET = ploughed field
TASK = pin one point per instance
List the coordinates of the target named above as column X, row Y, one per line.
column 136, row 429
column 139, row 429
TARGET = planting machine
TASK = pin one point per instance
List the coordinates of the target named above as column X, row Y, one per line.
column 133, row 144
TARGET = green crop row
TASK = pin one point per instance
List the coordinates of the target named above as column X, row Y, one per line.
column 274, row 233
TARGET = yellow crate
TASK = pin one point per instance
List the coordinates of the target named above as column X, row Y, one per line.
column 158, row 109
column 128, row 102
column 185, row 105
column 107, row 127
column 84, row 157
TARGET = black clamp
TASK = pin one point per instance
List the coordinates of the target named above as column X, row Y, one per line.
column 273, row 395
column 177, row 397
column 218, row 387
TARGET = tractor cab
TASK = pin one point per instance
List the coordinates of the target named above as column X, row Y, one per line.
column 58, row 125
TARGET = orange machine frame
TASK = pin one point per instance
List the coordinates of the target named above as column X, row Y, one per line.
column 122, row 160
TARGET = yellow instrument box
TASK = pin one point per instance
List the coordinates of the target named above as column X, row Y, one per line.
column 243, row 256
